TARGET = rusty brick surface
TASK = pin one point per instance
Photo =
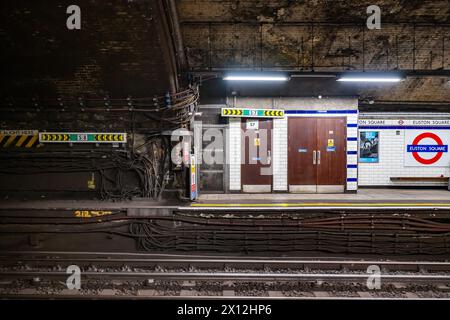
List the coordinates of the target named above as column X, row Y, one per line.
column 117, row 52
column 279, row 35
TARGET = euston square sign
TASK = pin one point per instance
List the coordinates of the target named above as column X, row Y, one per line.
column 427, row 148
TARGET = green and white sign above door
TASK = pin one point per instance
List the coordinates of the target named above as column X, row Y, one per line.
column 252, row 113
column 82, row 137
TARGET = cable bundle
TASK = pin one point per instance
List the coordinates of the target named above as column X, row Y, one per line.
column 354, row 234
column 114, row 167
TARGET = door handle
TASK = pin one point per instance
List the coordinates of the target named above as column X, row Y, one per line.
column 269, row 157
column 314, row 157
column 318, row 157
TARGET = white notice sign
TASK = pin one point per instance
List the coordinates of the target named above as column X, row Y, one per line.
column 252, row 124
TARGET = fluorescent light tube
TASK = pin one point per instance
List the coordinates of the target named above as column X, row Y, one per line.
column 369, row 79
column 255, row 78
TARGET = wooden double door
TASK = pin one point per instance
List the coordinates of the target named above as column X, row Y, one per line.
column 317, row 155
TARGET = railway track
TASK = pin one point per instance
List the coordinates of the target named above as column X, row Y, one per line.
column 189, row 260
column 119, row 275
column 220, row 271
column 214, row 276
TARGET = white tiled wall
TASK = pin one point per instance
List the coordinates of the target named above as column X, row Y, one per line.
column 280, row 154
column 391, row 164
column 280, row 135
column 352, row 158
column 234, row 153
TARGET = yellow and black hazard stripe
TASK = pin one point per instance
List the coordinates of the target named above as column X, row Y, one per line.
column 231, row 112
column 47, row 137
column 19, row 140
column 110, row 137
column 274, row 113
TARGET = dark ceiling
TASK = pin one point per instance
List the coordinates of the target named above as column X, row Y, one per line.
column 129, row 48
column 320, row 35
column 338, row 11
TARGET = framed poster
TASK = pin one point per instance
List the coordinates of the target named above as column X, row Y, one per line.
column 368, row 146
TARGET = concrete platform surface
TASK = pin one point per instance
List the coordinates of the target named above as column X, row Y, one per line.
column 428, row 199
column 363, row 195
column 365, row 198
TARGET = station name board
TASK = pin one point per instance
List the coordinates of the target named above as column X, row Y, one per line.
column 401, row 122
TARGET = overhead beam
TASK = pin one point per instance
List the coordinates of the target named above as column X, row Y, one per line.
column 164, row 31
column 316, row 46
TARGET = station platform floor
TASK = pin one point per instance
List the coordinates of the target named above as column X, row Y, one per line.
column 364, row 199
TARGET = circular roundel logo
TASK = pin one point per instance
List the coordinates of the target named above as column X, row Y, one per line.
column 416, row 142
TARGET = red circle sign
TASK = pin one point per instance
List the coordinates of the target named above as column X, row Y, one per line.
column 431, row 136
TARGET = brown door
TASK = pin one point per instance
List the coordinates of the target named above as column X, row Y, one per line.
column 256, row 168
column 302, row 142
column 317, row 154
column 331, row 154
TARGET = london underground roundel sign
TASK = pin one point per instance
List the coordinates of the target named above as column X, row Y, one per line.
column 436, row 149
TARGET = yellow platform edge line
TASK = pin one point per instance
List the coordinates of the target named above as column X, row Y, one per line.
column 322, row 204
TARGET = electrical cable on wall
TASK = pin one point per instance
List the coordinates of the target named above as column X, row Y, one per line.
column 146, row 162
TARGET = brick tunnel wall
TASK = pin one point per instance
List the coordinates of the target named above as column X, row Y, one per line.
column 52, row 78
column 117, row 52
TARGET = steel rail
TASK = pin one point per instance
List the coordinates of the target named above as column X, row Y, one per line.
column 242, row 261
column 202, row 298
column 174, row 258
column 250, row 276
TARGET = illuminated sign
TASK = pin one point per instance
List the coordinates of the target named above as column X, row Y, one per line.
column 252, row 113
column 76, row 137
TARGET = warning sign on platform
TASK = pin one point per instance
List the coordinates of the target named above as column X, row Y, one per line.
column 19, row 139
column 330, row 143
column 427, row 148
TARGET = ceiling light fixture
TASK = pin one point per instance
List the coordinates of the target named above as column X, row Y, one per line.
column 313, row 75
column 353, row 79
column 255, row 77
column 361, row 77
